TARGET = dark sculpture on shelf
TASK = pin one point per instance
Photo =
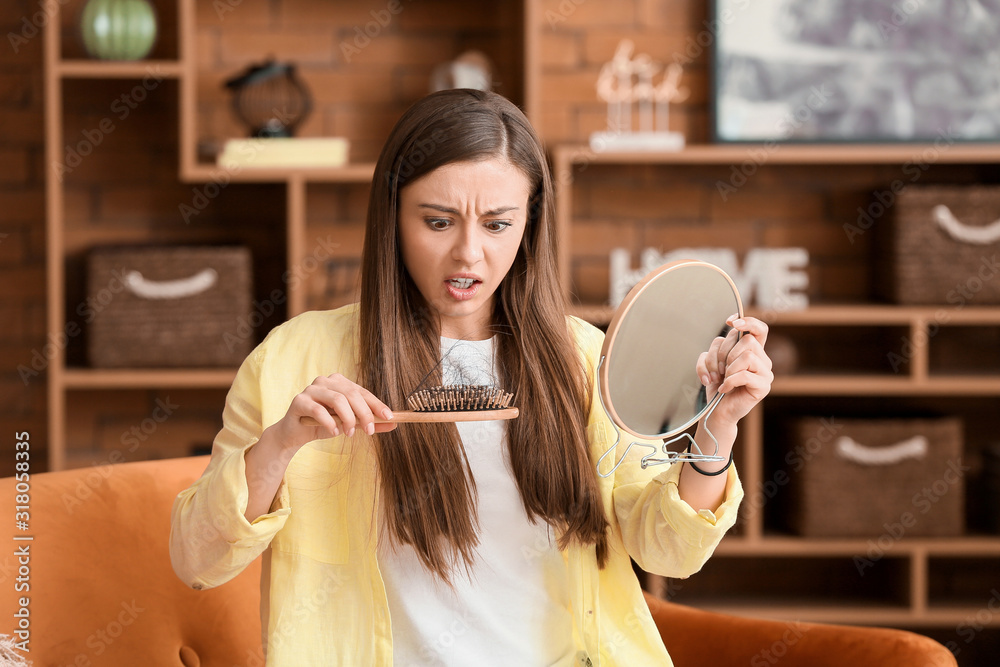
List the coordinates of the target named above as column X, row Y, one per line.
column 270, row 98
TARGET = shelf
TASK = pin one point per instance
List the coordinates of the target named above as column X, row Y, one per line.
column 848, row 615
column 351, row 173
column 839, row 314
column 875, row 314
column 113, row 69
column 153, row 378
column 819, row 154
column 800, row 546
column 884, row 385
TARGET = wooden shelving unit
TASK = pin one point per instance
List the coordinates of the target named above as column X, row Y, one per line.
column 755, row 542
column 914, row 558
column 65, row 380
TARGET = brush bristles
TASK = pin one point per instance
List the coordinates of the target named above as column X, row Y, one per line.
column 459, row 397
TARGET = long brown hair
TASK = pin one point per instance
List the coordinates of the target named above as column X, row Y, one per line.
column 428, row 492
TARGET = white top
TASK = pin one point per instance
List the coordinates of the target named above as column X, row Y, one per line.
column 514, row 610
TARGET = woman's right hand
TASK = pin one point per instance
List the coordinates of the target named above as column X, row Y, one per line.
column 354, row 406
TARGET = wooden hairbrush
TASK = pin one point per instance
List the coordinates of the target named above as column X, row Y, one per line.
column 452, row 403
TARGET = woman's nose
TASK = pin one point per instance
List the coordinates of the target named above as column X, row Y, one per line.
column 468, row 247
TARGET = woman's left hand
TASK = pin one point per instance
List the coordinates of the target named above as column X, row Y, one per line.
column 740, row 369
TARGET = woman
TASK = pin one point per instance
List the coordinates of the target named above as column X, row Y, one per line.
column 484, row 542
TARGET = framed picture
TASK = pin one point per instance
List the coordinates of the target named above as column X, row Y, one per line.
column 856, row 70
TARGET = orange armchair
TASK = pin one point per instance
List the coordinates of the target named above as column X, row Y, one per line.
column 103, row 592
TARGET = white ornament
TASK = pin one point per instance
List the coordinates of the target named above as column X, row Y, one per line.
column 625, row 81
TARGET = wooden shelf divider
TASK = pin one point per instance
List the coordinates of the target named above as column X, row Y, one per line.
column 101, row 69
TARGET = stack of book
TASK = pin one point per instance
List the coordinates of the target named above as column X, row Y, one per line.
column 309, row 152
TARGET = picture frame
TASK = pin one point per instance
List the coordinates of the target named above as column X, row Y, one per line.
column 860, row 71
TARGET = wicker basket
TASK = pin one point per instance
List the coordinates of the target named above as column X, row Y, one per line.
column 943, row 247
column 868, row 478
column 169, row 306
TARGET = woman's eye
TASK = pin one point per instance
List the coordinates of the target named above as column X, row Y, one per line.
column 497, row 225
column 438, row 223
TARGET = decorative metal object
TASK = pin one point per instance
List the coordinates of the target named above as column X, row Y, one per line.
column 270, row 98
column 118, row 29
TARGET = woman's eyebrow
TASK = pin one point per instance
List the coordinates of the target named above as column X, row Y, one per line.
column 444, row 209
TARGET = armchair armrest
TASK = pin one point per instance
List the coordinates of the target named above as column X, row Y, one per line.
column 694, row 637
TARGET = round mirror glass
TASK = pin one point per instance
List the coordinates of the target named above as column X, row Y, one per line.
column 648, row 377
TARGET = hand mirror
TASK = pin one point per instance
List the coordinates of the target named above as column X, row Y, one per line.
column 647, row 375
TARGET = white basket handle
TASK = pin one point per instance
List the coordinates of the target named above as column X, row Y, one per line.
column 170, row 289
column 850, row 449
column 959, row 231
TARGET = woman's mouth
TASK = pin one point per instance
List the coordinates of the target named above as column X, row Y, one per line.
column 462, row 288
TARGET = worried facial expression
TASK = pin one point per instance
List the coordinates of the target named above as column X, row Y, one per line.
column 460, row 227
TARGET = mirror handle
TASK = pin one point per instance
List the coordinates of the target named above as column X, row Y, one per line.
column 669, row 456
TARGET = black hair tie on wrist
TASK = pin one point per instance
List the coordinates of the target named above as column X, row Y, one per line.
column 711, row 474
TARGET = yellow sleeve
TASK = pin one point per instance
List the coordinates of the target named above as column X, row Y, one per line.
column 662, row 533
column 211, row 540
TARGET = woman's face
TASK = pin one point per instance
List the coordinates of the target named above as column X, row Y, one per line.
column 460, row 227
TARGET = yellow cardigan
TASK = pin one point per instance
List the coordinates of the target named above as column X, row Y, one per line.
column 322, row 597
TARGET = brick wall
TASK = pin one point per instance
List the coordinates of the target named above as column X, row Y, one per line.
column 22, row 239
column 364, row 63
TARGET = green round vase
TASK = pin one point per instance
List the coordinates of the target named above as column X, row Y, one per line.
column 118, row 29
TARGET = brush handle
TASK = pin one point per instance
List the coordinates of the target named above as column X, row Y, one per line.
column 410, row 416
